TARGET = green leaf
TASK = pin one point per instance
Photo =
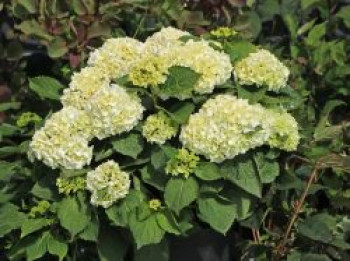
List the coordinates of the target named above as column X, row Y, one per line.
column 119, row 213
column 7, row 169
column 10, row 218
column 90, row 233
column 9, row 106
column 153, row 178
column 318, row 227
column 180, row 192
column 57, row 247
column 314, row 37
column 208, row 171
column 217, row 213
column 46, row 87
column 344, row 13
column 111, row 247
column 241, row 171
column 158, row 158
column 239, row 50
column 31, row 225
column 72, row 216
column 9, row 150
column 33, row 28
column 57, row 48
column 8, row 130
column 46, row 188
column 242, row 201
column 180, row 112
column 147, row 231
column 180, row 82
column 98, row 29
column 129, row 145
column 29, row 5
column 38, row 248
column 268, row 169
column 158, row 252
column 167, row 222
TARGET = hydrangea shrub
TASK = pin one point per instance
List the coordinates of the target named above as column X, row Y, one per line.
column 174, row 136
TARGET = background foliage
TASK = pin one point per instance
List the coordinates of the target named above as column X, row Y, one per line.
column 312, row 188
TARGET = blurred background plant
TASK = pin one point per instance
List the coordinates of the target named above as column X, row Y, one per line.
column 53, row 38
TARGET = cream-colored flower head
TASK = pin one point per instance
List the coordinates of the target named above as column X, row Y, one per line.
column 284, row 131
column 63, row 140
column 117, row 56
column 164, row 40
column 83, row 85
column 158, row 128
column 263, row 69
column 214, row 66
column 107, row 183
column 112, row 111
column 224, row 127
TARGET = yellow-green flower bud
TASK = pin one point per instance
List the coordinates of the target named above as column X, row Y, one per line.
column 223, row 32
column 40, row 209
column 154, row 204
column 26, row 118
column 70, row 185
column 183, row 163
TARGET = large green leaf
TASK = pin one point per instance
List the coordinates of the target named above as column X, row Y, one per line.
column 7, row 169
column 238, row 50
column 46, row 87
column 180, row 192
column 152, row 177
column 31, row 225
column 316, row 34
column 38, row 247
column 167, row 222
column 268, row 169
column 130, row 145
column 119, row 213
column 146, row 231
column 57, row 247
column 208, row 171
column 11, row 218
column 242, row 172
column 217, row 213
column 180, row 82
column 181, row 111
column 72, row 215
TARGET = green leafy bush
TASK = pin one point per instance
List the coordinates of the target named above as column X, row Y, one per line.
column 124, row 191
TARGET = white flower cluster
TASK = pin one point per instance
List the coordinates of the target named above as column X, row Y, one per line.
column 117, row 56
column 107, row 183
column 164, row 40
column 113, row 111
column 213, row 66
column 82, row 86
column 63, row 141
column 164, row 50
column 263, row 69
column 226, row 126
